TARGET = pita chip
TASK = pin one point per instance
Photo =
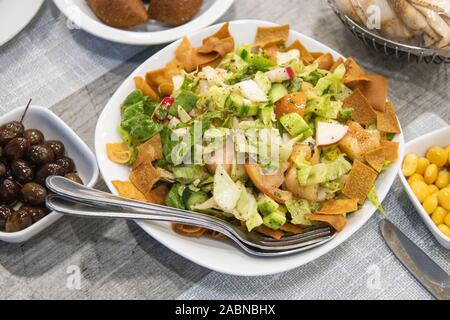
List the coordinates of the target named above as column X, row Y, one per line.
column 127, row 190
column 359, row 181
column 149, row 151
column 375, row 158
column 305, row 55
column 362, row 111
column 375, row 90
column 353, row 73
column 387, row 121
column 338, row 222
column 340, row 206
column 390, row 150
column 271, row 36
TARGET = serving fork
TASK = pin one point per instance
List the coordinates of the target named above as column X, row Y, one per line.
column 75, row 199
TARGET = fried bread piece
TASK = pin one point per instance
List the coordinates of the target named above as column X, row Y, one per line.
column 119, row 13
column 174, row 12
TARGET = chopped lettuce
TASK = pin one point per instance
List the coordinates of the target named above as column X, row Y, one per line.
column 332, row 82
column 373, row 198
column 247, row 210
column 173, row 198
column 298, row 209
column 226, row 192
column 185, row 99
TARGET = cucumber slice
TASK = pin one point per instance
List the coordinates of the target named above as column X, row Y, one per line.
column 295, row 124
column 242, row 109
column 277, row 92
column 191, row 198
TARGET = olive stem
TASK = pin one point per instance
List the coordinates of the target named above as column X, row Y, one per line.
column 26, row 109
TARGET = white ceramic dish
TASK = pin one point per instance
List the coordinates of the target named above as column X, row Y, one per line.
column 15, row 15
column 53, row 128
column 420, row 146
column 212, row 254
column 147, row 34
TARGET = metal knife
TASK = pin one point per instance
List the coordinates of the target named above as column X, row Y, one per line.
column 425, row 270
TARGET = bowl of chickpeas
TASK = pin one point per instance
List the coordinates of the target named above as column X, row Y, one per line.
column 425, row 175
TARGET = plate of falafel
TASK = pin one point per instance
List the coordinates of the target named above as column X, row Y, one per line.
column 142, row 22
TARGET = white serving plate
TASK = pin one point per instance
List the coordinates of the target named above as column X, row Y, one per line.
column 218, row 255
column 53, row 128
column 419, row 146
column 147, row 34
column 15, row 15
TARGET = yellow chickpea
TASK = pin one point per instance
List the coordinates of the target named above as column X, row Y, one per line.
column 431, row 203
column 444, row 198
column 431, row 173
column 422, row 165
column 448, row 151
column 410, row 165
column 415, row 177
column 445, row 229
column 433, row 188
column 442, row 179
column 447, row 220
column 421, row 190
column 439, row 215
column 438, row 156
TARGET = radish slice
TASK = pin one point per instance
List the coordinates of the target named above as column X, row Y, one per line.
column 280, row 74
column 328, row 133
column 250, row 90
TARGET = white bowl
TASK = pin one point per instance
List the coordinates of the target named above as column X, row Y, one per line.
column 216, row 255
column 53, row 128
column 419, row 146
column 15, row 16
column 78, row 12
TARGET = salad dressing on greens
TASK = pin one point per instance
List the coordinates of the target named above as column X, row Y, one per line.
column 267, row 135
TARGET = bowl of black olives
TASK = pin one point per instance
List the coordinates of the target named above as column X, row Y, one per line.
column 36, row 144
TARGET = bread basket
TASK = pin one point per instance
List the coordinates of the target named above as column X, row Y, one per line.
column 389, row 47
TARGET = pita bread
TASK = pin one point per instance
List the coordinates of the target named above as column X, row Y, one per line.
column 413, row 18
column 438, row 24
column 346, row 7
column 391, row 25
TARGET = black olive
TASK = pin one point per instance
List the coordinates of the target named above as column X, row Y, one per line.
column 66, row 163
column 33, row 193
column 34, row 136
column 41, row 154
column 9, row 191
column 16, row 148
column 22, row 171
column 18, row 220
column 49, row 169
column 5, row 212
column 10, row 131
column 57, row 147
column 36, row 213
column 74, row 177
column 2, row 170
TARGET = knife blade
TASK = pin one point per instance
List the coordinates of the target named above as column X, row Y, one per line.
column 422, row 267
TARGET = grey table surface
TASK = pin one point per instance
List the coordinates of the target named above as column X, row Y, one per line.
column 75, row 73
